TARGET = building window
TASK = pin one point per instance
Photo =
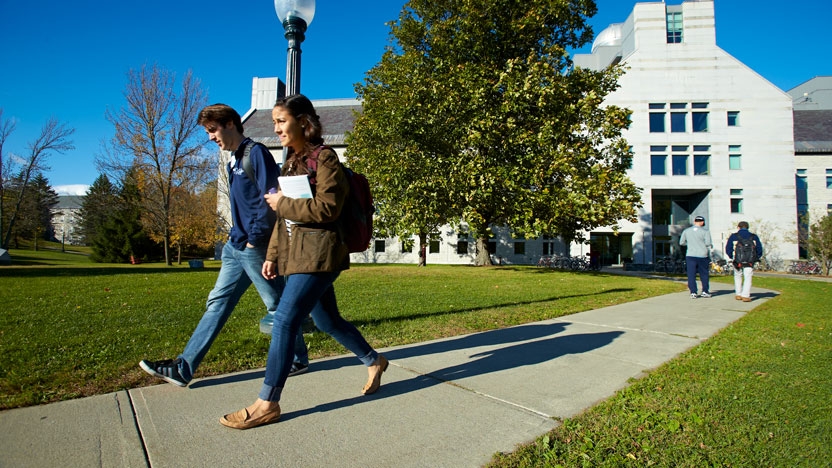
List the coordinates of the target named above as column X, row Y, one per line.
column 829, row 178
column 734, row 158
column 736, row 200
column 658, row 164
column 656, row 118
column 407, row 246
column 462, row 247
column 677, row 122
column 433, row 246
column 699, row 120
column 801, row 186
column 548, row 245
column 674, row 27
column 378, row 246
column 701, row 164
column 519, row 248
column 680, row 164
column 733, row 118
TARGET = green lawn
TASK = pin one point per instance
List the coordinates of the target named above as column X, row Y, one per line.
column 758, row 394
column 80, row 329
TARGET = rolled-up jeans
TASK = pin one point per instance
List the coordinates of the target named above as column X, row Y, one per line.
column 240, row 268
column 304, row 294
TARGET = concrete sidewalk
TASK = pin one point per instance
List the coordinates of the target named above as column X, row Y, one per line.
column 445, row 403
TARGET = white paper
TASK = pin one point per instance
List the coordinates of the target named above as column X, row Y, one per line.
column 295, row 186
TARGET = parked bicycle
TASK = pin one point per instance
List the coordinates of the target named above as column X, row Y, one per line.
column 559, row 262
column 800, row 267
column 669, row 265
column 721, row 267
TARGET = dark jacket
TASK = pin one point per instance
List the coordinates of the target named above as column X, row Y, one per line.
column 745, row 234
column 314, row 245
column 252, row 219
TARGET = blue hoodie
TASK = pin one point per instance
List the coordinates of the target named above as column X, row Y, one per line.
column 251, row 216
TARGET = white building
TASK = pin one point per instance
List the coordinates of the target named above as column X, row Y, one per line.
column 709, row 136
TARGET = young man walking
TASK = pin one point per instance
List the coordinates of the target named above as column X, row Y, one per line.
column 745, row 248
column 244, row 252
column 697, row 259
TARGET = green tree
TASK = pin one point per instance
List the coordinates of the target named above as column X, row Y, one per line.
column 819, row 242
column 122, row 238
column 34, row 210
column 98, row 205
column 156, row 134
column 483, row 95
column 53, row 137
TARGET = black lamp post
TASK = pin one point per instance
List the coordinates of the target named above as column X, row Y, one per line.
column 296, row 15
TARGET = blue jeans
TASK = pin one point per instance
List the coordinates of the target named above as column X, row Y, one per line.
column 240, row 268
column 304, row 294
column 699, row 265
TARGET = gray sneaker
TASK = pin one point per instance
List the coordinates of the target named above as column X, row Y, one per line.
column 705, row 294
column 167, row 369
column 693, row 296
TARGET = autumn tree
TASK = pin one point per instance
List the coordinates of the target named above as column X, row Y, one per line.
column 53, row 138
column 481, row 96
column 197, row 222
column 157, row 135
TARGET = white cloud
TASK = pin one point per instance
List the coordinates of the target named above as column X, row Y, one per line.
column 76, row 189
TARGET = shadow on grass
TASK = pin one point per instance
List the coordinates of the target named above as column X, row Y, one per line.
column 510, row 348
column 403, row 318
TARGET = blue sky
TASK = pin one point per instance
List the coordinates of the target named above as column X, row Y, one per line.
column 70, row 61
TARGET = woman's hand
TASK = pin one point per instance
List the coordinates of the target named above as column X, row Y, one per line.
column 268, row 270
column 273, row 198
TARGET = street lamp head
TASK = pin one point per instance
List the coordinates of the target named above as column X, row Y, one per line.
column 292, row 10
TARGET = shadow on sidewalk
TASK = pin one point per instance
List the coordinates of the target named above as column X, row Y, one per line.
column 514, row 350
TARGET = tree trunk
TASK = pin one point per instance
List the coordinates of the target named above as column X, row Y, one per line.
column 423, row 250
column 483, row 256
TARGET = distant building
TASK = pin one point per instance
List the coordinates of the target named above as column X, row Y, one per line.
column 813, row 149
column 66, row 219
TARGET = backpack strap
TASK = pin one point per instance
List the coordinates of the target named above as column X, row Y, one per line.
column 312, row 163
column 246, row 165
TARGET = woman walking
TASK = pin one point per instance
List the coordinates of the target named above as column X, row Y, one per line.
column 306, row 248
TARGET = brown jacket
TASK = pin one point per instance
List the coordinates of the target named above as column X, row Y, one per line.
column 314, row 245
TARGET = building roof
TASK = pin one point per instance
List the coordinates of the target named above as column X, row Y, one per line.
column 337, row 118
column 812, row 131
column 69, row 202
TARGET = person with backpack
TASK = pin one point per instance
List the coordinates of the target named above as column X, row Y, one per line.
column 308, row 249
column 697, row 239
column 251, row 173
column 745, row 249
